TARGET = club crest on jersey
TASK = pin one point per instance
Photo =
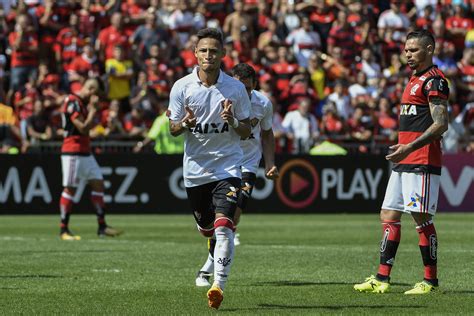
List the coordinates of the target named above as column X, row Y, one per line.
column 408, row 109
column 254, row 122
column 210, row 128
column 414, row 88
column 429, row 84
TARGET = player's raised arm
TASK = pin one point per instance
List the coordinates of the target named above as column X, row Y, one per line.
column 242, row 127
column 85, row 125
column 178, row 127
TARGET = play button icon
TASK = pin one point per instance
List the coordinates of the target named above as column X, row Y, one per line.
column 298, row 184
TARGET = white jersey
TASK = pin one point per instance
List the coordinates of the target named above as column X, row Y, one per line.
column 211, row 149
column 261, row 115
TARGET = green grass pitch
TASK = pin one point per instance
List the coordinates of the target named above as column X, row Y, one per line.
column 287, row 264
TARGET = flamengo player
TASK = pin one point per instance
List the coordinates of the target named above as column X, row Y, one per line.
column 76, row 158
column 212, row 109
column 261, row 121
column 414, row 183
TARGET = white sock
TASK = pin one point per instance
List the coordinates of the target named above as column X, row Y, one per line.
column 223, row 255
column 208, row 265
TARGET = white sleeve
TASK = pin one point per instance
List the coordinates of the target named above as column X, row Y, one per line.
column 382, row 23
column 176, row 110
column 242, row 108
column 287, row 120
column 267, row 120
column 314, row 124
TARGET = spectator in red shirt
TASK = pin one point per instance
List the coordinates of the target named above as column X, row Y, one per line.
column 24, row 100
column 331, row 124
column 457, row 26
column 342, row 35
column 188, row 58
column 360, row 125
column 284, row 69
column 465, row 80
column 135, row 124
column 112, row 36
column 24, row 60
column 54, row 16
column 386, row 122
column 68, row 46
column 83, row 66
column 135, row 11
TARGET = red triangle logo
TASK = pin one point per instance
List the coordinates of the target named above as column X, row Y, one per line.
column 297, row 183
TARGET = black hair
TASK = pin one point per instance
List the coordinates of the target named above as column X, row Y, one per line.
column 426, row 37
column 244, row 71
column 210, row 33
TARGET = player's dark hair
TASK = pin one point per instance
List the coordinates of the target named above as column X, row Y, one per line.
column 210, row 33
column 426, row 37
column 244, row 71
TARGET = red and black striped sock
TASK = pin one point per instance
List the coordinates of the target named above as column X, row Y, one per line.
column 65, row 207
column 428, row 242
column 391, row 230
column 97, row 199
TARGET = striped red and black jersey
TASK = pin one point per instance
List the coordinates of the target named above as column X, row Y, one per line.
column 74, row 143
column 415, row 119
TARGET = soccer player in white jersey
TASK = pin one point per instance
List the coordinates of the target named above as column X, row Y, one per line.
column 212, row 109
column 261, row 139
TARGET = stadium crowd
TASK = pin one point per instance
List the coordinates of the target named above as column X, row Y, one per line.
column 334, row 70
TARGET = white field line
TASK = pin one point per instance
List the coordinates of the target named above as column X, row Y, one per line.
column 268, row 246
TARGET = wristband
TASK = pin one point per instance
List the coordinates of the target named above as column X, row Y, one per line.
column 235, row 123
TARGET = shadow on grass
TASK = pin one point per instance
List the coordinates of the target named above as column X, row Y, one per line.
column 331, row 307
column 31, row 276
column 305, row 283
column 457, row 292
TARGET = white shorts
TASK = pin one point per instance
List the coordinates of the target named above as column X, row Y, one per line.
column 76, row 168
column 412, row 192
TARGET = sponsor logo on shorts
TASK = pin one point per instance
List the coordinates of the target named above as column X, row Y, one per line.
column 415, row 200
column 231, row 196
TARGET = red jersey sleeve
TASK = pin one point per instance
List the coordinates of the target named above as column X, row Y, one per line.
column 73, row 109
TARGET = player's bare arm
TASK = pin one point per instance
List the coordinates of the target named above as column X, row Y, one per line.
column 268, row 146
column 242, row 127
column 178, row 127
column 85, row 125
column 439, row 113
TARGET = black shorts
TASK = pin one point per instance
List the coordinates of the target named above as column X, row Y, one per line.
column 246, row 188
column 211, row 198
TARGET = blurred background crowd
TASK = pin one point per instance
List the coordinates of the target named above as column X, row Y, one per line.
column 334, row 70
